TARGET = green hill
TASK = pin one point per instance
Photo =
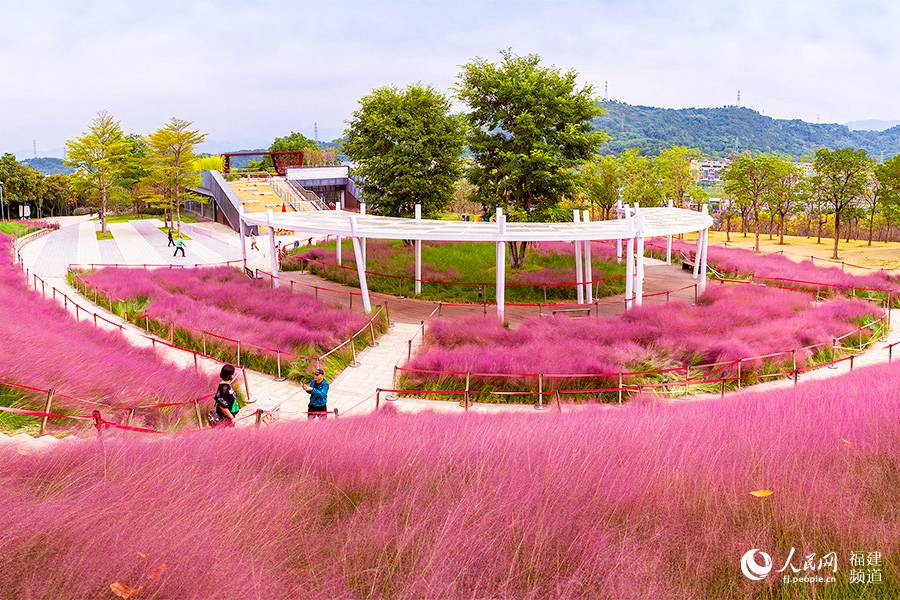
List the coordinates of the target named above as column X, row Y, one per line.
column 720, row 131
column 48, row 165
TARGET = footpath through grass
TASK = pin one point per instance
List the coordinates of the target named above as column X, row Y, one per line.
column 462, row 272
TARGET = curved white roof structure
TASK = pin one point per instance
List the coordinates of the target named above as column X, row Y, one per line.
column 635, row 225
column 657, row 222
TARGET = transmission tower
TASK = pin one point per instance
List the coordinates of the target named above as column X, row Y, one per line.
column 316, row 131
column 606, row 90
column 739, row 98
column 34, row 146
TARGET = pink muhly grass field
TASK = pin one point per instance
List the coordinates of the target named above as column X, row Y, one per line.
column 223, row 301
column 747, row 262
column 730, row 322
column 642, row 501
column 42, row 346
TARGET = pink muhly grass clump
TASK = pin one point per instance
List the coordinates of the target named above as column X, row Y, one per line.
column 743, row 261
column 632, row 503
column 222, row 301
column 42, row 346
column 729, row 323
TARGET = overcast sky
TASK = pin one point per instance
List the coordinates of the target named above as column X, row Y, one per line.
column 248, row 71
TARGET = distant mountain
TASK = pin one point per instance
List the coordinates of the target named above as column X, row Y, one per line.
column 871, row 125
column 48, row 165
column 721, row 131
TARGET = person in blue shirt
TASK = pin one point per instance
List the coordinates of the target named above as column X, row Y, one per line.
column 318, row 396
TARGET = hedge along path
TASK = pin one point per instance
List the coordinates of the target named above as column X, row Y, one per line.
column 265, row 391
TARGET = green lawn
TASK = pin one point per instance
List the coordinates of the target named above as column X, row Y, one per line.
column 184, row 236
column 15, row 229
column 186, row 217
column 461, row 262
column 104, row 236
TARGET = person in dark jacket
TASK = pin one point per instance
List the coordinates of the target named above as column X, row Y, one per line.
column 171, row 239
column 318, row 396
column 226, row 398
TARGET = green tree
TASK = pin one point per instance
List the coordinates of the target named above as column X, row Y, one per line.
column 530, row 129
column 57, row 194
column 749, row 180
column 171, row 154
column 407, row 148
column 100, row 157
column 883, row 191
column 21, row 183
column 785, row 192
column 640, row 179
column 675, row 173
column 841, row 178
column 600, row 181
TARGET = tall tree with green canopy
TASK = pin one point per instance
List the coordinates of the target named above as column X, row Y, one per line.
column 785, row 192
column 841, row 178
column 749, row 180
column 530, row 129
column 57, row 193
column 884, row 191
column 407, row 148
column 171, row 152
column 675, row 174
column 601, row 179
column 100, row 156
column 640, row 179
column 21, row 183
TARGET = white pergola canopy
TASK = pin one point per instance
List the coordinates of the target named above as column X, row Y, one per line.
column 657, row 222
column 633, row 226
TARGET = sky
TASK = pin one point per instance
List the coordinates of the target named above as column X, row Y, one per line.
column 246, row 72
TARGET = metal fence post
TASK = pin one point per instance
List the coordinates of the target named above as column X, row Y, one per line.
column 246, row 384
column 239, row 353
column 353, row 362
column 278, row 363
column 620, row 387
column 47, row 404
column 466, row 396
column 540, row 391
column 197, row 413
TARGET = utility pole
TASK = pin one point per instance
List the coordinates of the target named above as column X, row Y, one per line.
column 2, row 209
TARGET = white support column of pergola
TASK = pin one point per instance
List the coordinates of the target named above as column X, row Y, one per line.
column 418, row 254
column 362, row 211
column 243, row 228
column 705, row 235
column 501, row 266
column 698, row 253
column 639, row 269
column 629, row 265
column 360, row 268
column 588, row 268
column 273, row 253
column 619, row 241
column 579, row 273
column 669, row 243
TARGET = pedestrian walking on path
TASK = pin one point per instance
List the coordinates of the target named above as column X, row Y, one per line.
column 318, row 396
column 171, row 239
column 253, row 245
column 179, row 245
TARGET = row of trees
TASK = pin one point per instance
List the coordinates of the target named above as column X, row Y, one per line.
column 158, row 169
column 842, row 182
column 52, row 194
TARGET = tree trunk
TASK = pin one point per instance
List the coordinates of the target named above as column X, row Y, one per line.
column 102, row 206
column 517, row 254
column 756, row 231
column 819, row 233
column 837, row 234
column 728, row 228
column 781, row 232
column 871, row 225
column 771, row 225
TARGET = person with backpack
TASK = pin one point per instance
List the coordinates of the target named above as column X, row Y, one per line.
column 171, row 239
column 318, row 396
column 225, row 399
column 179, row 245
